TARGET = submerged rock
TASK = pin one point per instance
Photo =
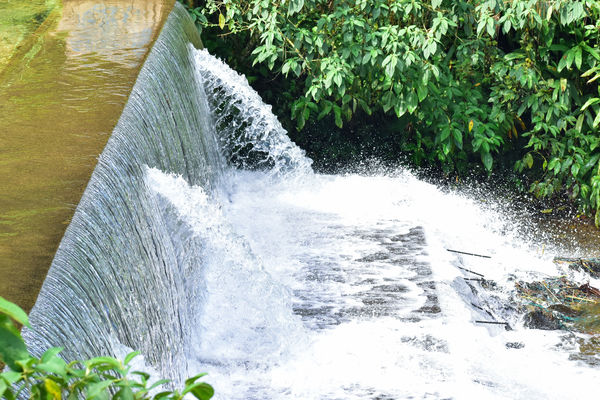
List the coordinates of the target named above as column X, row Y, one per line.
column 539, row 319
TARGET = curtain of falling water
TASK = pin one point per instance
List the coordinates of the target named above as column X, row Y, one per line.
column 121, row 276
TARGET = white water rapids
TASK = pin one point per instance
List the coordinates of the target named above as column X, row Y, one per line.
column 340, row 287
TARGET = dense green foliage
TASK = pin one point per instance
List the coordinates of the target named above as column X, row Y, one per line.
column 466, row 82
column 51, row 378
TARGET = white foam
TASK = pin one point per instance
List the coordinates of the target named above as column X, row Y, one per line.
column 332, row 271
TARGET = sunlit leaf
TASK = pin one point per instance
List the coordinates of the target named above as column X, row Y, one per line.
column 13, row 311
column 200, row 390
column 528, row 159
column 130, row 357
column 53, row 389
column 97, row 389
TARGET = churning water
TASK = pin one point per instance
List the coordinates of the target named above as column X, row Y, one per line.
column 340, row 287
column 282, row 283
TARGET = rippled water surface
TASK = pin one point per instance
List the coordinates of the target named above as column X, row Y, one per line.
column 61, row 95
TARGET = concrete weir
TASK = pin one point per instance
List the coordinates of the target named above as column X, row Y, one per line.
column 62, row 91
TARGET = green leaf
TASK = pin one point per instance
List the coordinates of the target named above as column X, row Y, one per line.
column 590, row 102
column 337, row 111
column 528, row 160
column 596, row 120
column 54, row 365
column 446, row 148
column 221, row 21
column 390, row 65
column 579, row 123
column 162, row 395
column 562, row 63
column 487, row 160
column 326, row 110
column 50, row 354
column 337, row 79
column 515, row 55
column 412, row 101
column 124, row 394
column 549, row 13
column 200, row 390
column 445, row 134
column 53, row 389
column 3, row 387
column 458, row 140
column 130, row 357
column 366, row 58
column 490, row 26
column 507, row 25
column 301, row 122
column 575, row 169
column 422, row 92
column 10, row 376
column 591, row 163
column 295, row 6
column 14, row 311
column 578, row 57
column 158, row 383
column 435, row 3
column 97, row 389
column 103, row 361
column 594, row 52
column 12, row 347
column 570, row 57
column 480, row 26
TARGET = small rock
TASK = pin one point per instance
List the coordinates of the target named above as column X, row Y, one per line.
column 540, row 320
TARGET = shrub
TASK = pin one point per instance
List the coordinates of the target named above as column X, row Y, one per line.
column 50, row 377
column 472, row 82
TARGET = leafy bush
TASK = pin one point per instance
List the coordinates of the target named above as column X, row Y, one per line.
column 470, row 81
column 52, row 378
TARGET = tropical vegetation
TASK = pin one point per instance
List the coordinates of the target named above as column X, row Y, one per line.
column 459, row 84
column 51, row 378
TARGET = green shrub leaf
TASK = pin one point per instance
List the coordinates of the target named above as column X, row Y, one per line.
column 130, row 357
column 200, row 390
column 97, row 390
column 487, row 160
column 12, row 347
column 13, row 311
column 53, row 365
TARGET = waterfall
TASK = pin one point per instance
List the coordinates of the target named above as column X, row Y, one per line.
column 205, row 241
column 250, row 134
column 128, row 273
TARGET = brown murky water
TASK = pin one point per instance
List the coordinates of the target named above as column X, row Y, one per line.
column 60, row 97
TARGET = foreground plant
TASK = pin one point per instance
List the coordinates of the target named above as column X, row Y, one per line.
column 50, row 377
